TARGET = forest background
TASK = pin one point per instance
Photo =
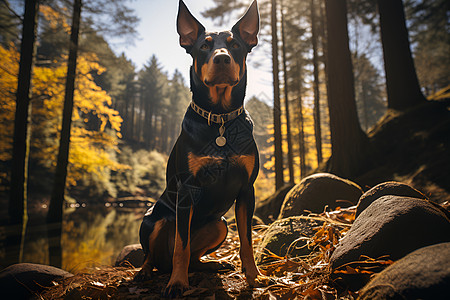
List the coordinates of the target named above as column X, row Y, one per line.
column 126, row 118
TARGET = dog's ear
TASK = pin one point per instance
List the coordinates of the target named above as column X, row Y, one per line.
column 188, row 27
column 248, row 26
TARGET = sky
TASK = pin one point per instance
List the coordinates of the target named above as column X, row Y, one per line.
column 158, row 35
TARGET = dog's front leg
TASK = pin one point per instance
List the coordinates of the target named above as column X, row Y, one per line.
column 245, row 205
column 179, row 282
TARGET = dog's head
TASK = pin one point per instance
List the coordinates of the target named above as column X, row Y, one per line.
column 219, row 58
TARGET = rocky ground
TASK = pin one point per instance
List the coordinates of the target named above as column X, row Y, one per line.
column 383, row 235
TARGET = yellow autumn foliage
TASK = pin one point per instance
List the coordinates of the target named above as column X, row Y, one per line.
column 9, row 59
column 310, row 145
column 92, row 152
column 54, row 18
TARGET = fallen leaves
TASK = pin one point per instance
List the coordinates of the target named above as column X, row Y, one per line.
column 304, row 277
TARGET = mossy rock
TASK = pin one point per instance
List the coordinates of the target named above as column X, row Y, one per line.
column 284, row 238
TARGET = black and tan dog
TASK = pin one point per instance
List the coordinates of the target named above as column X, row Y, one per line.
column 213, row 163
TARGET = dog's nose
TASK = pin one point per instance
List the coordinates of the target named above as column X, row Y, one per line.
column 222, row 58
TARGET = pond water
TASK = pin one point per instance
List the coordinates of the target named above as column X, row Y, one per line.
column 92, row 236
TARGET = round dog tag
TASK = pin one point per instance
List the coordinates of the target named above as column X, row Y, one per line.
column 221, row 141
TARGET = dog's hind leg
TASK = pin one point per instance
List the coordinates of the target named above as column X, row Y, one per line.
column 206, row 240
column 156, row 237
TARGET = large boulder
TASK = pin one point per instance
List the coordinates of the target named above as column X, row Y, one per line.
column 315, row 192
column 422, row 274
column 24, row 280
column 269, row 208
column 386, row 188
column 394, row 226
column 131, row 254
column 284, row 237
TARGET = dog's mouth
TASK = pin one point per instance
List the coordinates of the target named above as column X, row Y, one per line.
column 221, row 82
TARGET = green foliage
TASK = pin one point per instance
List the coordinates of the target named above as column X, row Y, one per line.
column 9, row 31
column 114, row 19
column 222, row 10
column 369, row 92
column 429, row 30
column 262, row 116
column 145, row 176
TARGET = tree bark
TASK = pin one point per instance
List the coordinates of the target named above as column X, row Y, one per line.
column 17, row 209
column 279, row 179
column 401, row 79
column 126, row 119
column 286, row 101
column 132, row 118
column 301, row 138
column 55, row 210
column 302, row 147
column 348, row 141
column 148, row 123
column 323, row 39
column 317, row 119
column 141, row 117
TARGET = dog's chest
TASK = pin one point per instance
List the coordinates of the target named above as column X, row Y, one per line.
column 208, row 169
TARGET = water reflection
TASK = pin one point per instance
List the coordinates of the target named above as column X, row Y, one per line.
column 92, row 236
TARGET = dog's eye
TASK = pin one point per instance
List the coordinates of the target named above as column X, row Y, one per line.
column 235, row 46
column 204, row 47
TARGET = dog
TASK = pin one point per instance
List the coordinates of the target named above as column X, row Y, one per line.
column 213, row 164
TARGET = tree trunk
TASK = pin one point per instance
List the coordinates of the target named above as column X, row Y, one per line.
column 140, row 118
column 301, row 138
column 172, row 132
column 55, row 210
column 317, row 127
column 365, row 108
column 164, row 135
column 148, row 115
column 347, row 139
column 132, row 118
column 17, row 209
column 403, row 88
column 279, row 179
column 323, row 39
column 126, row 119
column 286, row 101
column 150, row 126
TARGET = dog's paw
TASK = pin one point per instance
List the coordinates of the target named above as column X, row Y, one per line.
column 174, row 290
column 259, row 281
column 142, row 276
